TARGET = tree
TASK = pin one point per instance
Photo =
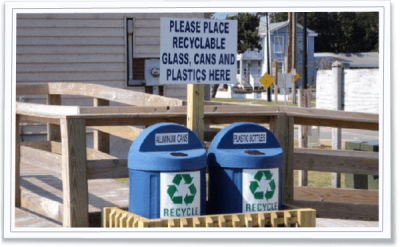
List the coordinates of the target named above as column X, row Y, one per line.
column 209, row 15
column 248, row 37
column 341, row 31
column 279, row 17
column 370, row 22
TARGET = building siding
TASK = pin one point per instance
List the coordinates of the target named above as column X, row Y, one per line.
column 282, row 57
column 88, row 48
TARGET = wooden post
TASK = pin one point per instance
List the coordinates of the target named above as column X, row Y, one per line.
column 195, row 109
column 304, row 101
column 101, row 140
column 283, row 128
column 337, row 77
column 17, row 162
column 53, row 130
column 74, row 173
column 276, row 83
column 307, row 218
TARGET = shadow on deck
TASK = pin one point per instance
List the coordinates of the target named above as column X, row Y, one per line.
column 42, row 195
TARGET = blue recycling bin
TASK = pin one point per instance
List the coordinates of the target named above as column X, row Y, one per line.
column 245, row 164
column 167, row 166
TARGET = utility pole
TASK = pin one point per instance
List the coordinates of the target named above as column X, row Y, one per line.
column 292, row 52
column 304, row 101
column 305, row 61
column 268, row 56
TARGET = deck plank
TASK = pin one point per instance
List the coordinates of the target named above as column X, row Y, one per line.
column 105, row 193
column 27, row 219
column 37, row 182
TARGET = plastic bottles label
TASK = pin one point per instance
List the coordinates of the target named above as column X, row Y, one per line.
column 249, row 137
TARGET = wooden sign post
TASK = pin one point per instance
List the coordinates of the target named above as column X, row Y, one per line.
column 195, row 109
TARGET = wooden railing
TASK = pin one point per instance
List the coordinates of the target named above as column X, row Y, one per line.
column 65, row 152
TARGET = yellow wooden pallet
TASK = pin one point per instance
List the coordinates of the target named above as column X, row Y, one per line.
column 293, row 217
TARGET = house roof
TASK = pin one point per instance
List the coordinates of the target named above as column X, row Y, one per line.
column 278, row 25
column 355, row 60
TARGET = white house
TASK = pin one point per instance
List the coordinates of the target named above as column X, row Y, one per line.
column 249, row 69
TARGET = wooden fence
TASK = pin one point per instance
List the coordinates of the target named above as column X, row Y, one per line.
column 65, row 152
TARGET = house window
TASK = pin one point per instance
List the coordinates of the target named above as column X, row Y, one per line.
column 279, row 44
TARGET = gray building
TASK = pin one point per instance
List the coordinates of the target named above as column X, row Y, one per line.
column 108, row 49
column 101, row 48
column 359, row 60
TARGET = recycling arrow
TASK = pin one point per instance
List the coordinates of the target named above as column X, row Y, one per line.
column 254, row 185
column 188, row 179
column 171, row 192
column 172, row 189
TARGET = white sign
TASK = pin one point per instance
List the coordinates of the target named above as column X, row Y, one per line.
column 260, row 190
column 179, row 194
column 198, row 51
column 249, row 137
column 285, row 80
column 172, row 138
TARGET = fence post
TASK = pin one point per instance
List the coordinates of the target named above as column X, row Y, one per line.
column 283, row 128
column 74, row 174
column 17, row 162
column 337, row 77
column 53, row 130
column 101, row 140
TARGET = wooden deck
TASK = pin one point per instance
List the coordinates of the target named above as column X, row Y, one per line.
column 42, row 195
column 24, row 218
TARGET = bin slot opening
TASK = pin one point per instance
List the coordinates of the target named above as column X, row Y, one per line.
column 179, row 154
column 254, row 152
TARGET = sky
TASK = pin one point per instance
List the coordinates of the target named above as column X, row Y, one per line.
column 223, row 15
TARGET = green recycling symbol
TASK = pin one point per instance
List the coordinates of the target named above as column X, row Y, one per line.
column 254, row 185
column 172, row 189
